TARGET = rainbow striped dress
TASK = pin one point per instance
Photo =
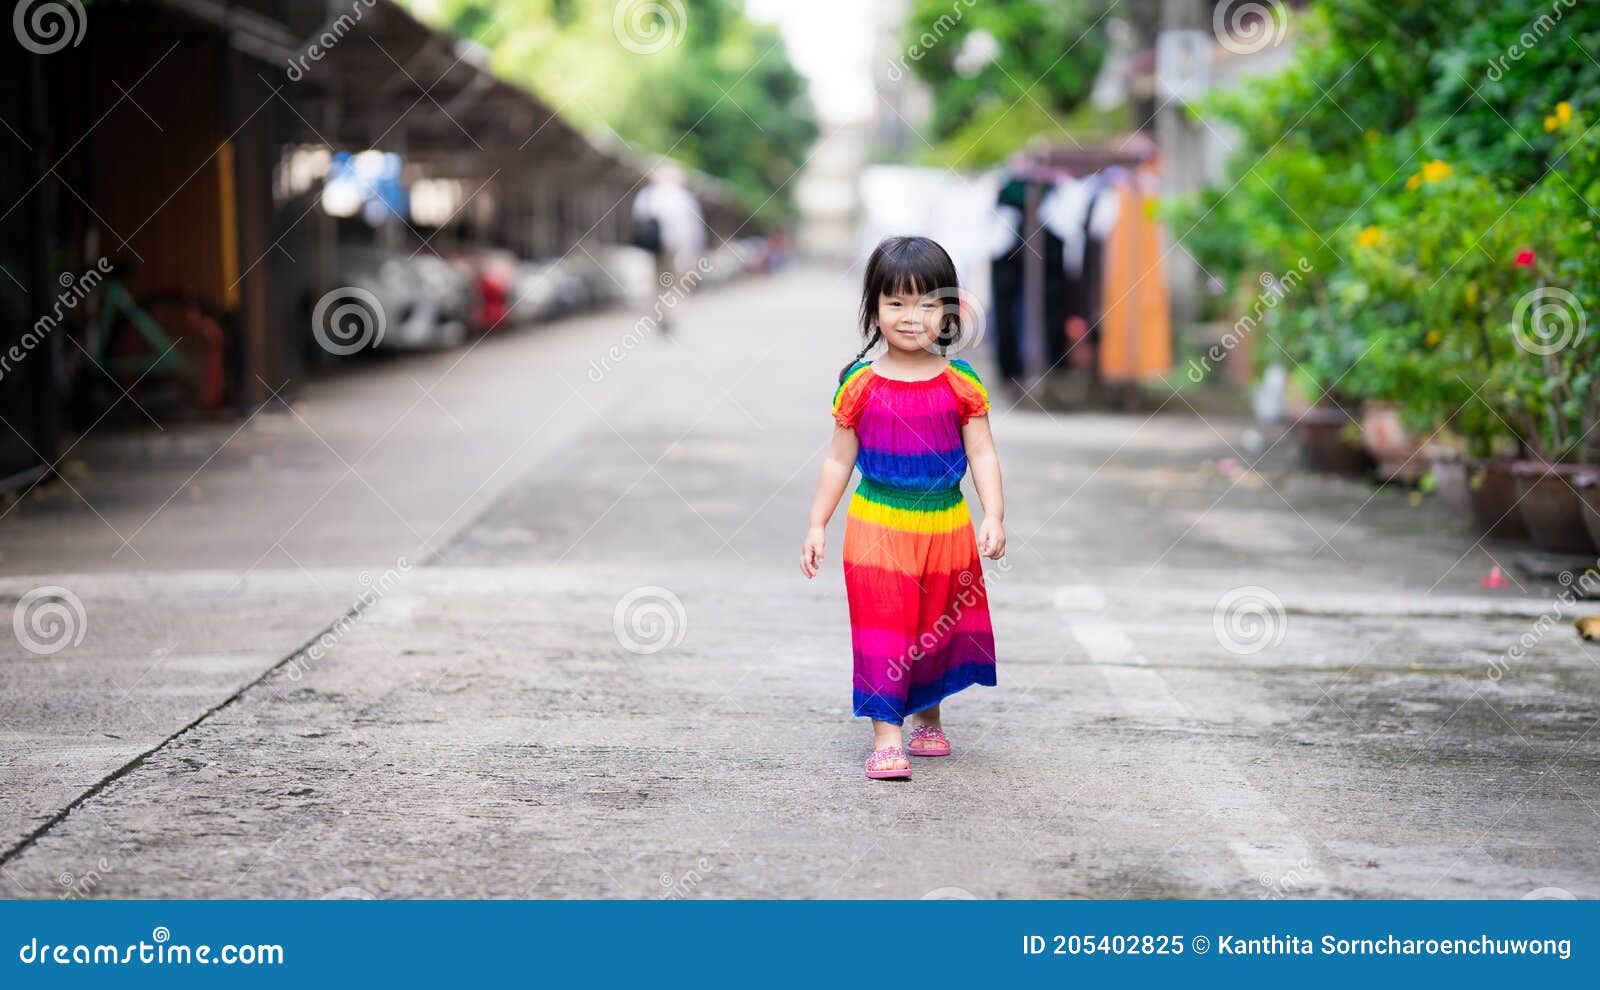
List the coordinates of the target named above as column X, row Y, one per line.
column 919, row 608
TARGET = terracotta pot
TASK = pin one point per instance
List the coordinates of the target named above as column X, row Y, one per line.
column 1398, row 453
column 1492, row 494
column 1588, row 485
column 1550, row 506
column 1322, row 432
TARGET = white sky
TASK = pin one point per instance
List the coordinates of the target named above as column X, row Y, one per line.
column 831, row 43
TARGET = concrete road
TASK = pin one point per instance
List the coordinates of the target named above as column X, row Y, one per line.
column 527, row 621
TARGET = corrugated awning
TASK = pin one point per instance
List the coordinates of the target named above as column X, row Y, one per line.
column 372, row 75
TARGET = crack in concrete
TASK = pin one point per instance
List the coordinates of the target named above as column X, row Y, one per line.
column 349, row 614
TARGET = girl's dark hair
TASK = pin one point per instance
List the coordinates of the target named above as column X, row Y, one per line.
column 907, row 264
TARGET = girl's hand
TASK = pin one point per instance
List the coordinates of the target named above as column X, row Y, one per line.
column 811, row 552
column 992, row 538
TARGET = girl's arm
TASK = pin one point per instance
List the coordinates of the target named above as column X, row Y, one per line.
column 836, row 469
column 985, row 465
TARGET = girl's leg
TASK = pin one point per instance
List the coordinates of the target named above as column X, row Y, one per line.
column 887, row 734
column 928, row 717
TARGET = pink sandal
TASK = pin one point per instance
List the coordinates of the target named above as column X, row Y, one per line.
column 888, row 753
column 940, row 743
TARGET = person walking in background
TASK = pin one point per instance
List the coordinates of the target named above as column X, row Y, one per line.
column 912, row 421
column 667, row 222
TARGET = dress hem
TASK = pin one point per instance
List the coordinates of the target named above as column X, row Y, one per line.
column 977, row 678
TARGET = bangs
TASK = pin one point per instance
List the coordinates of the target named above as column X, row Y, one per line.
column 916, row 280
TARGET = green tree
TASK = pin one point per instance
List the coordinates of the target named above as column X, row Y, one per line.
column 986, row 61
column 1412, row 151
column 711, row 87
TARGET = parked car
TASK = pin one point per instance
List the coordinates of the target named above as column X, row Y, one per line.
column 615, row 273
column 544, row 290
column 491, row 275
column 424, row 299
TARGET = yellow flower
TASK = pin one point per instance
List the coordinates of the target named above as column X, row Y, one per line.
column 1371, row 136
column 1550, row 124
column 1370, row 237
column 1433, row 338
column 1471, row 293
column 1414, row 182
column 1435, row 171
column 1564, row 112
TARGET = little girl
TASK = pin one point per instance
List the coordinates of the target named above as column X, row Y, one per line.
column 912, row 421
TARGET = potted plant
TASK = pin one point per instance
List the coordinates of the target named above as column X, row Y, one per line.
column 1443, row 268
column 1579, row 269
column 1306, row 328
column 1588, row 485
column 1328, row 424
column 1552, row 380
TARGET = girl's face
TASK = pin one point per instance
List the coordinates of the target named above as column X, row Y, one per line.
column 910, row 321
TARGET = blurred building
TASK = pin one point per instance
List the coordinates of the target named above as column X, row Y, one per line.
column 241, row 157
column 1204, row 46
column 904, row 103
column 826, row 193
column 829, row 192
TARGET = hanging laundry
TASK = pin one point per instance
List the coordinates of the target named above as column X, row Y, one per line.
column 1076, row 278
column 1006, row 283
column 1136, row 336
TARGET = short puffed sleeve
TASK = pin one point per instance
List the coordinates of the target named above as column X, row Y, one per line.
column 851, row 395
column 971, row 397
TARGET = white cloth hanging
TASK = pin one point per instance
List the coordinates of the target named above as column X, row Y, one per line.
column 1103, row 215
column 1005, row 231
column 1062, row 211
